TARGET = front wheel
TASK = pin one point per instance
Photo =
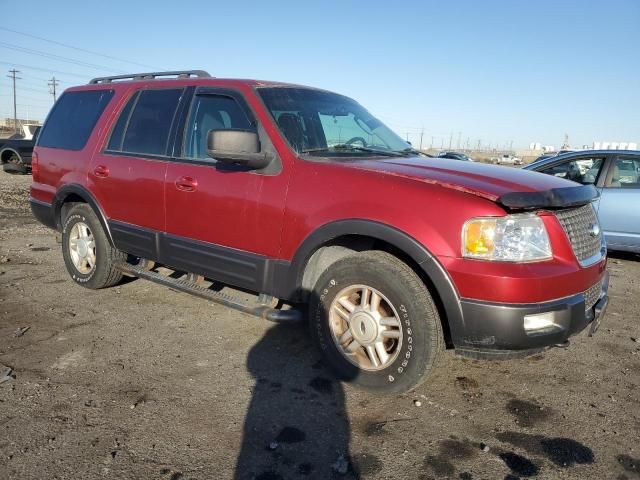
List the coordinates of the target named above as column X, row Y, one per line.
column 375, row 322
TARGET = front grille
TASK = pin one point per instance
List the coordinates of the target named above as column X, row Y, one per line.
column 579, row 225
column 592, row 295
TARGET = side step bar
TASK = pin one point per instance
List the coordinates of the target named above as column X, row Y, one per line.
column 267, row 312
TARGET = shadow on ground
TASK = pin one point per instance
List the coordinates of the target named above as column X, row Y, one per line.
column 296, row 424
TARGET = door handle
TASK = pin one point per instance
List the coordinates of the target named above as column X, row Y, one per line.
column 101, row 171
column 186, row 184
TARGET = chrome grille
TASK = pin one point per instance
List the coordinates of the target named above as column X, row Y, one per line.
column 578, row 224
column 592, row 295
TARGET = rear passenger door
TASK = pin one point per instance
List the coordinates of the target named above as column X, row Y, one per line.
column 619, row 210
column 223, row 221
column 128, row 174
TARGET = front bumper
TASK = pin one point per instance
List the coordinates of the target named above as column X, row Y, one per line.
column 494, row 331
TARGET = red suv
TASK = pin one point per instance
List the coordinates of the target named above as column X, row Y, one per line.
column 302, row 196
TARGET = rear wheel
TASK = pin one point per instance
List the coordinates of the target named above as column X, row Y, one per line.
column 376, row 323
column 89, row 257
column 14, row 164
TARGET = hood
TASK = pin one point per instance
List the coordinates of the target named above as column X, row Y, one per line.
column 512, row 187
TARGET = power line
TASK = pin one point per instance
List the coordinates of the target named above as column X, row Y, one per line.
column 15, row 110
column 53, row 84
column 58, row 58
column 33, row 89
column 48, row 70
column 110, row 57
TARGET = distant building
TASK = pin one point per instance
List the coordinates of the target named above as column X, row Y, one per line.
column 615, row 146
column 8, row 122
column 538, row 147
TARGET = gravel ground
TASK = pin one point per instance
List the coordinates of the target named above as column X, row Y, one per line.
column 139, row 381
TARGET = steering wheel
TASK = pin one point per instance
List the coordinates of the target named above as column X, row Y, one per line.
column 353, row 140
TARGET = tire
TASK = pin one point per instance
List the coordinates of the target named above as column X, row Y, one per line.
column 101, row 272
column 14, row 165
column 405, row 303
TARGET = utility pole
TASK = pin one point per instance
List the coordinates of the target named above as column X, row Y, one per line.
column 450, row 139
column 13, row 73
column 459, row 136
column 53, row 83
column 421, row 134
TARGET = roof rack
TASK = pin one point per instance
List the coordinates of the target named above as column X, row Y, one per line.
column 152, row 76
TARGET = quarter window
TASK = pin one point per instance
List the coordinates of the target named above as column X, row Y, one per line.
column 211, row 112
column 72, row 119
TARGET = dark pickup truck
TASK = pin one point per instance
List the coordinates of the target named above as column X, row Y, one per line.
column 15, row 153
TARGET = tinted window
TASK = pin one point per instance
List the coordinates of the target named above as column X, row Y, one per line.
column 115, row 142
column 581, row 170
column 211, row 112
column 625, row 173
column 150, row 122
column 72, row 119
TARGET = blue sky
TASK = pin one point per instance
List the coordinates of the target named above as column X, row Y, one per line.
column 495, row 71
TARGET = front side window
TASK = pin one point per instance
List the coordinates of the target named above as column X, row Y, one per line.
column 211, row 112
column 581, row 170
column 73, row 118
column 145, row 123
column 326, row 124
column 625, row 173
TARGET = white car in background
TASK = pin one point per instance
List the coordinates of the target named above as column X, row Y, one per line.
column 506, row 159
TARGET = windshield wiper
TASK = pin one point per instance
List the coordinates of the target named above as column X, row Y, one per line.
column 344, row 146
column 413, row 151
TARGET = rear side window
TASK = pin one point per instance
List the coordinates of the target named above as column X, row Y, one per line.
column 145, row 122
column 72, row 119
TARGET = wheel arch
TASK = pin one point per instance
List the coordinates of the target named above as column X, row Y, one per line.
column 5, row 153
column 75, row 193
column 358, row 235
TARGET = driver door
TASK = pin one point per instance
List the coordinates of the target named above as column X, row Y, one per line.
column 222, row 221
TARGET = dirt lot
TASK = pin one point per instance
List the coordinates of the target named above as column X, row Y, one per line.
column 140, row 381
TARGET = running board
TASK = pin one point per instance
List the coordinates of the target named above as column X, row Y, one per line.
column 267, row 312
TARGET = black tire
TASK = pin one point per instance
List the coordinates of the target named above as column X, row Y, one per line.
column 103, row 274
column 421, row 333
column 15, row 165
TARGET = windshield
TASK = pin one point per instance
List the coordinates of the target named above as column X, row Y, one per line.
column 326, row 124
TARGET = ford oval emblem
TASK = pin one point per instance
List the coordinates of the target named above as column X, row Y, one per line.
column 594, row 229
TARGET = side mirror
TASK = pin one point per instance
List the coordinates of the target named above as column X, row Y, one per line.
column 241, row 147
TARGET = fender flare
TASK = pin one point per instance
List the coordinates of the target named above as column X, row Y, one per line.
column 82, row 192
column 430, row 266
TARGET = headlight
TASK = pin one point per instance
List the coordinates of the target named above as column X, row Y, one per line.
column 513, row 238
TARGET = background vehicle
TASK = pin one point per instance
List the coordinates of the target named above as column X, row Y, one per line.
column 15, row 153
column 301, row 195
column 506, row 159
column 616, row 175
column 551, row 154
column 455, row 156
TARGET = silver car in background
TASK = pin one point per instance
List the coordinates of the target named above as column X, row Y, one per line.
column 616, row 174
